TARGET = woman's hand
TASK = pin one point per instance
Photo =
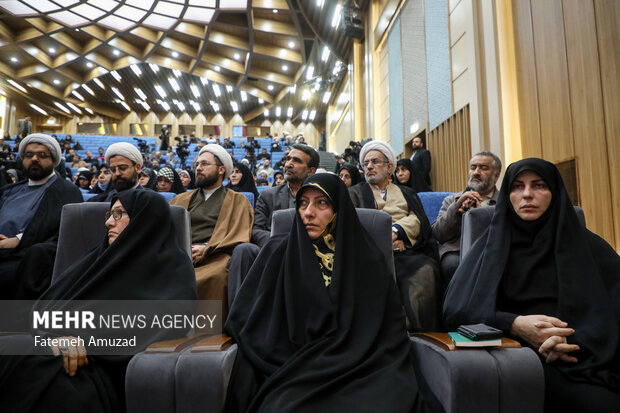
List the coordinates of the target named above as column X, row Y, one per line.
column 538, row 328
column 72, row 356
column 556, row 347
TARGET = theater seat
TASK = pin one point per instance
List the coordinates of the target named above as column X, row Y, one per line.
column 431, row 201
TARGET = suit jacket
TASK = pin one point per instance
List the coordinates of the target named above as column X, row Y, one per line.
column 272, row 199
column 421, row 164
column 25, row 127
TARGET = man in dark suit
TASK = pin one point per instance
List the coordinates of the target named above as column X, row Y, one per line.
column 421, row 162
column 24, row 126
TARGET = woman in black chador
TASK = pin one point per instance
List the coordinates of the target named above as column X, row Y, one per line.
column 318, row 319
column 135, row 261
column 547, row 281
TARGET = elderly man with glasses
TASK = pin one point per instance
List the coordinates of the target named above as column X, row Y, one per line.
column 30, row 219
column 415, row 251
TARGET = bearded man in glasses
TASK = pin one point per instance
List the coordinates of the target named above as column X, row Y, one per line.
column 30, row 219
column 415, row 249
column 125, row 162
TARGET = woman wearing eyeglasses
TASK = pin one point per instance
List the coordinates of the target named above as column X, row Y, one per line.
column 138, row 259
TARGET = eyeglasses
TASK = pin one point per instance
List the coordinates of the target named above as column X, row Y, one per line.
column 40, row 155
column 121, row 168
column 374, row 162
column 116, row 213
column 204, row 164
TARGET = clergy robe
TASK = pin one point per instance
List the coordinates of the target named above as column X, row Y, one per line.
column 223, row 221
column 417, row 273
column 26, row 270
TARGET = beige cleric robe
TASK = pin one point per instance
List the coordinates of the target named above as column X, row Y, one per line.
column 233, row 227
column 397, row 207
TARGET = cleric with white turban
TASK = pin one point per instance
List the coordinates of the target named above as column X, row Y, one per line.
column 382, row 147
column 41, row 139
column 221, row 154
column 125, row 149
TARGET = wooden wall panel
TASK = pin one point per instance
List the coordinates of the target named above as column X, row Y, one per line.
column 607, row 14
column 450, row 146
column 527, row 82
column 551, row 71
column 587, row 115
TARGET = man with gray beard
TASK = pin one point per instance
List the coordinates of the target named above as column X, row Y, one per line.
column 30, row 219
column 484, row 171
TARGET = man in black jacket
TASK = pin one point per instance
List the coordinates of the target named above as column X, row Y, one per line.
column 421, row 162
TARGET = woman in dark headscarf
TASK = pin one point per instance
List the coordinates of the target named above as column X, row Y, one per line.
column 318, row 319
column 242, row 180
column 104, row 178
column 139, row 259
column 148, row 178
column 349, row 174
column 544, row 279
column 188, row 179
column 406, row 176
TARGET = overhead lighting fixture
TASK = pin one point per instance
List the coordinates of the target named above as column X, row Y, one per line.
column 285, row 68
column 89, row 65
column 275, row 11
column 61, row 107
column 234, row 105
column 116, row 76
column 177, row 72
column 154, row 67
column 215, row 106
column 75, row 108
column 145, row 106
column 244, row 96
column 161, row 91
column 270, row 87
column 217, row 68
column 336, row 18
column 126, row 106
column 261, row 100
column 136, row 70
column 116, row 52
column 174, row 84
column 278, row 111
column 326, row 97
column 305, row 95
column 51, row 50
column 266, row 113
column 17, row 85
column 88, row 89
column 89, row 111
column 196, row 106
column 229, row 88
column 319, row 3
column 293, row 89
column 164, row 104
column 118, row 93
column 414, row 127
column 325, row 53
column 204, row 81
column 175, row 54
column 56, row 81
column 216, row 90
column 38, row 109
column 139, row 92
column 14, row 59
column 181, row 106
column 195, row 91
column 304, row 114
column 312, row 115
column 289, row 112
column 291, row 44
column 309, row 72
column 77, row 95
column 237, row 56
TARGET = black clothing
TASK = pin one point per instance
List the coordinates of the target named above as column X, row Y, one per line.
column 421, row 164
column 552, row 266
column 356, row 177
column 416, row 180
column 177, row 185
column 246, row 184
column 145, row 262
column 308, row 347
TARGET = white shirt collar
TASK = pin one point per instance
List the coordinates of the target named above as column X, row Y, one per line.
column 208, row 192
column 40, row 181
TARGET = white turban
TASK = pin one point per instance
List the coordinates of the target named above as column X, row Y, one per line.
column 382, row 147
column 221, row 154
column 41, row 139
column 125, row 149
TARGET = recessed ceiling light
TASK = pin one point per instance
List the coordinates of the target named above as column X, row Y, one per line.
column 14, row 59
column 116, row 52
column 51, row 50
column 56, row 81
column 270, row 87
column 261, row 101
column 291, row 45
column 175, row 54
column 237, row 56
column 89, row 64
column 275, row 11
column 278, row 111
column 217, row 68
column 285, row 68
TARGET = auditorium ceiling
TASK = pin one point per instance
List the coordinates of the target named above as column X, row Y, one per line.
column 262, row 59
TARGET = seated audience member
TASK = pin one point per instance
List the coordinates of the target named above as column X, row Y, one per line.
column 83, row 181
column 484, row 171
column 88, row 158
column 253, row 143
column 350, row 175
column 30, row 218
column 125, row 162
column 262, row 179
column 6, row 136
column 549, row 282
column 148, row 178
column 100, row 155
column 263, row 155
column 265, row 167
column 77, row 163
column 406, row 176
column 188, row 179
column 278, row 178
column 138, row 259
column 155, row 165
column 338, row 316
column 168, row 180
column 103, row 180
column 242, row 180
column 4, row 148
column 251, row 159
column 14, row 175
column 415, row 251
column 220, row 220
column 228, row 144
column 275, row 145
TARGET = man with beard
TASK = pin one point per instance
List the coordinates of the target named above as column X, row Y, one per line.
column 484, row 171
column 415, row 251
column 30, row 218
column 125, row 161
column 421, row 163
column 220, row 220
